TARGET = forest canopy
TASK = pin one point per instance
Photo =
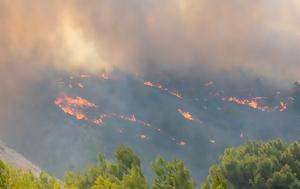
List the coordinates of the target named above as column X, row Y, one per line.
column 265, row 165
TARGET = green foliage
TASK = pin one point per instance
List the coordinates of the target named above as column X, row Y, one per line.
column 124, row 173
column 106, row 183
column 126, row 160
column 11, row 178
column 257, row 165
column 171, row 175
column 4, row 175
column 134, row 180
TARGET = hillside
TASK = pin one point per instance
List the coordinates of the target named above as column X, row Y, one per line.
column 13, row 158
column 76, row 116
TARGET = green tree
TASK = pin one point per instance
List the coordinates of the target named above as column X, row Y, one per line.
column 106, row 183
column 4, row 175
column 270, row 165
column 134, row 180
column 124, row 173
column 12, row 178
column 126, row 160
column 171, row 175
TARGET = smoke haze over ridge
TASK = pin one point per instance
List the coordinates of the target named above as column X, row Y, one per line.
column 260, row 37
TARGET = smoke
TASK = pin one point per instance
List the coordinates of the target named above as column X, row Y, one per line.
column 259, row 37
column 40, row 40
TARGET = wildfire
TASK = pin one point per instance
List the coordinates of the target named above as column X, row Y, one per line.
column 185, row 115
column 252, row 103
column 84, row 110
column 76, row 106
column 155, row 85
column 76, row 113
column 132, row 118
column 175, row 93
column 77, row 101
column 68, row 105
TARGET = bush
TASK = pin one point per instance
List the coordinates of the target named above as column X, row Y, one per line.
column 270, row 165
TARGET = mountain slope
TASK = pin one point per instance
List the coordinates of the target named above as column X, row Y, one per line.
column 17, row 160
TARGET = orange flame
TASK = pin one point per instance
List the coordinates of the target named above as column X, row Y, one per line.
column 77, row 101
column 175, row 93
column 185, row 115
column 252, row 103
column 73, row 112
column 68, row 105
column 76, row 113
column 82, row 109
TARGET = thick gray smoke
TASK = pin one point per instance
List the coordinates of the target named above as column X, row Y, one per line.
column 259, row 37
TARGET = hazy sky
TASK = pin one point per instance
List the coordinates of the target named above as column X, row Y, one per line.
column 261, row 37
